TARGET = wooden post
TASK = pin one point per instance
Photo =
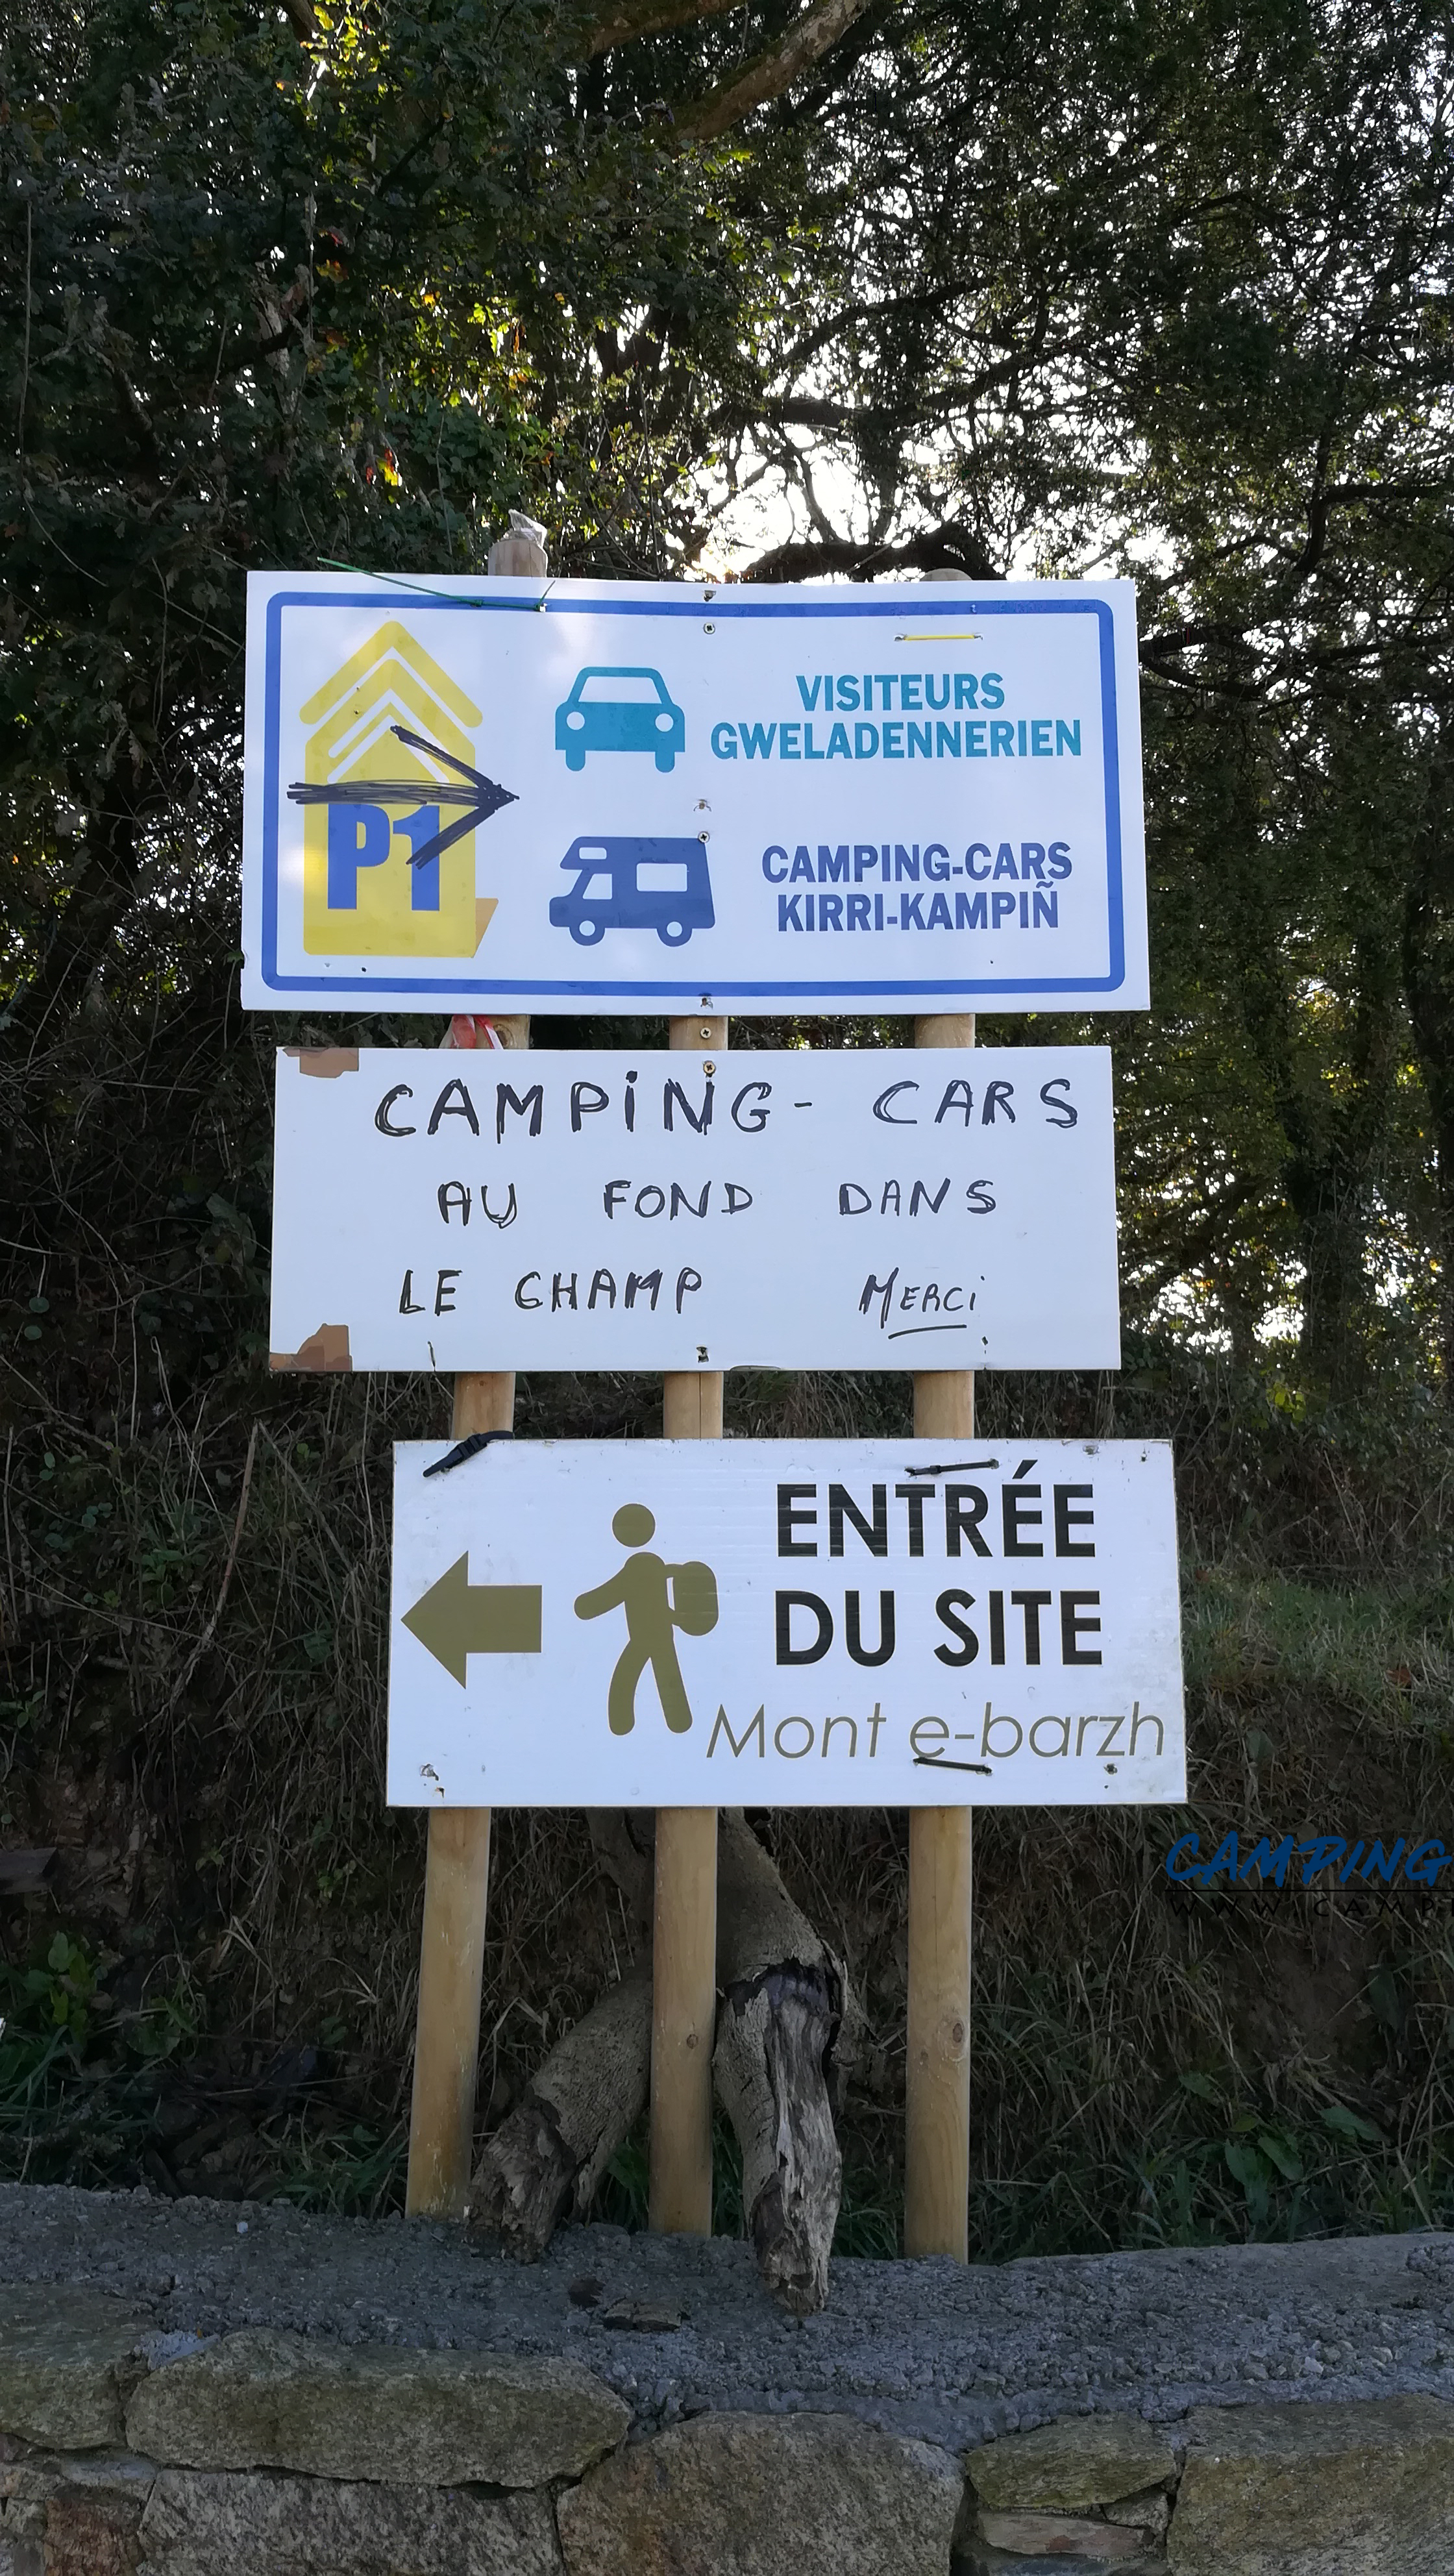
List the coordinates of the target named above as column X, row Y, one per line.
column 684, row 1943
column 457, row 1870
column 452, row 1940
column 936, row 2178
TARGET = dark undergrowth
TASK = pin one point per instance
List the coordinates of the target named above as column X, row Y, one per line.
column 214, row 1992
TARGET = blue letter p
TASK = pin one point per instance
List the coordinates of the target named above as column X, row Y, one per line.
column 359, row 836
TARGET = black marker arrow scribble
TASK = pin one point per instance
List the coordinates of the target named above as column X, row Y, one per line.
column 952, row 1467
column 480, row 799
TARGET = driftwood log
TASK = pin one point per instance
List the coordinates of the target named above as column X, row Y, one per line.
column 788, row 2032
column 546, row 2158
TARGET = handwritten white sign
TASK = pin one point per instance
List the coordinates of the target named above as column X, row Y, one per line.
column 465, row 795
column 796, row 1209
column 785, row 1623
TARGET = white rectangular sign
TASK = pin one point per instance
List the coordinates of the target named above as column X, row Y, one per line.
column 798, row 1209
column 468, row 795
column 785, row 1623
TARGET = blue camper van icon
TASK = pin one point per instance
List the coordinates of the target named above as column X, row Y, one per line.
column 619, row 710
column 624, row 884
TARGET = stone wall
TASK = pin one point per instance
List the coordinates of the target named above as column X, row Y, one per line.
column 128, row 2452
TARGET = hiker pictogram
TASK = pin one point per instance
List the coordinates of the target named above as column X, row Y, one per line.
column 658, row 1599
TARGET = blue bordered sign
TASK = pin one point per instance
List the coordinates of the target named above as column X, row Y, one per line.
column 513, row 794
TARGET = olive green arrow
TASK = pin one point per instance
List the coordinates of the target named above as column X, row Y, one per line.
column 456, row 1618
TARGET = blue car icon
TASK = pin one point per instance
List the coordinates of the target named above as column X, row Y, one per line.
column 619, row 710
column 635, row 885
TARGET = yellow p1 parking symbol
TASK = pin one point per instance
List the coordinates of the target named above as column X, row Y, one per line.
column 391, row 800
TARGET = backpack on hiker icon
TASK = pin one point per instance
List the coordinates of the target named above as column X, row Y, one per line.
column 694, row 1603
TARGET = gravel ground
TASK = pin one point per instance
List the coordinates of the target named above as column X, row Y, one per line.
column 927, row 2348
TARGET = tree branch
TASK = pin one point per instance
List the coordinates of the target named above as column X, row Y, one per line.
column 621, row 26
column 1194, row 1248
column 801, row 557
column 812, row 36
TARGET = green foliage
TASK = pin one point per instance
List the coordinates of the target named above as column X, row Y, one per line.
column 77, row 2073
column 1333, row 2175
column 97, row 2090
column 1383, row 1650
